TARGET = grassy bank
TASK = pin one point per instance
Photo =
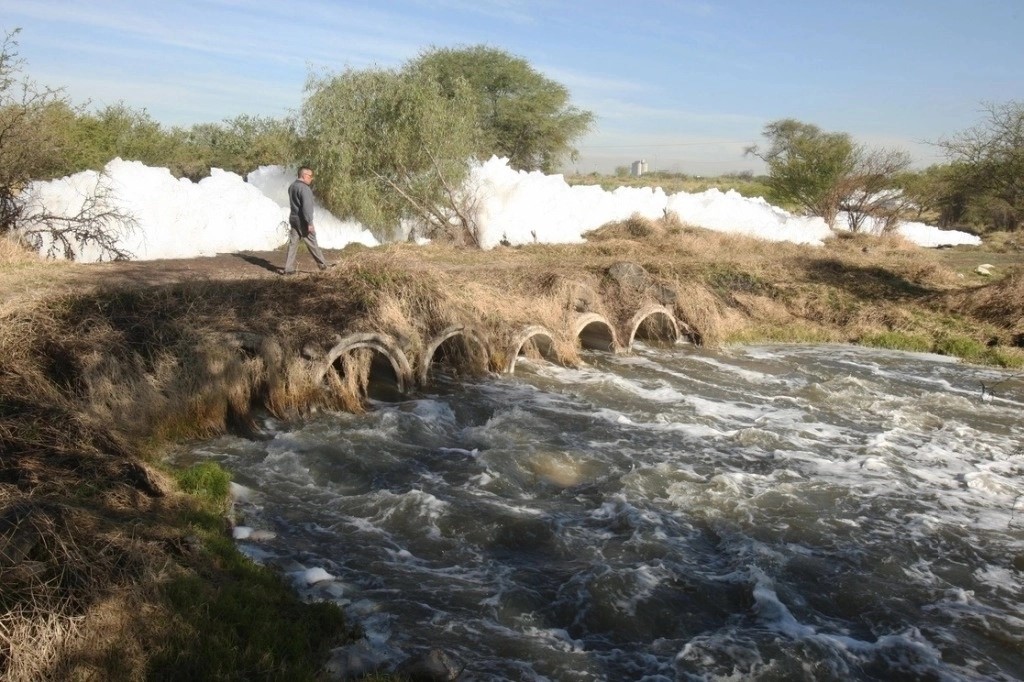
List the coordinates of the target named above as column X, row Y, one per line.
column 114, row 567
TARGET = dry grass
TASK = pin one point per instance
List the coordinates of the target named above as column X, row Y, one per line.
column 1001, row 304
column 14, row 253
column 59, row 563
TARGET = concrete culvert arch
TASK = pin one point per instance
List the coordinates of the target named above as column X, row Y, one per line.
column 389, row 374
column 459, row 347
column 594, row 332
column 654, row 323
column 534, row 339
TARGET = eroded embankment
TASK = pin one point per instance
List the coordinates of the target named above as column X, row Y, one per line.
column 92, row 530
column 95, row 381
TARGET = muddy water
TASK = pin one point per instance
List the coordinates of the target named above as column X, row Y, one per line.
column 770, row 513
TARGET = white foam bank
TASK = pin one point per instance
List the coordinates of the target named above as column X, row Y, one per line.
column 178, row 218
column 224, row 213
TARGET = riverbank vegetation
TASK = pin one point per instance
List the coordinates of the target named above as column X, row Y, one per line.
column 110, row 569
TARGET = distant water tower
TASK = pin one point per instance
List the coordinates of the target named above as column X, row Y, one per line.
column 638, row 168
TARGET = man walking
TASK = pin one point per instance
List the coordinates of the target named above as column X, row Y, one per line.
column 300, row 221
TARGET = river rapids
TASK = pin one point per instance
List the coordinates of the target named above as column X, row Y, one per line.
column 764, row 512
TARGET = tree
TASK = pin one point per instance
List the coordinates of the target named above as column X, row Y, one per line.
column 988, row 164
column 825, row 173
column 240, row 145
column 255, row 141
column 390, row 147
column 521, row 114
column 34, row 145
column 28, row 147
column 806, row 165
column 115, row 131
column 870, row 191
column 931, row 194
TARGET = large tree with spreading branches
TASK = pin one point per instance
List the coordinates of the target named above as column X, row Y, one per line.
column 825, row 173
column 522, row 115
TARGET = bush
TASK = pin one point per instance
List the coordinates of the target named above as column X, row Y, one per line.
column 206, row 480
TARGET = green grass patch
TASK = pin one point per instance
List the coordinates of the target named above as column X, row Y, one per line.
column 237, row 620
column 233, row 619
column 787, row 333
column 898, row 341
column 206, row 480
column 1011, row 358
column 961, row 347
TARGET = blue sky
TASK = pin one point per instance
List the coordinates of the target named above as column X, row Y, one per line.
column 684, row 84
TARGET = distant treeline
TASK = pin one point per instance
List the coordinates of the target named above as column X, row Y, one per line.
column 90, row 139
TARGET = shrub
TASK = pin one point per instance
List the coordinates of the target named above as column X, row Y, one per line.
column 206, row 480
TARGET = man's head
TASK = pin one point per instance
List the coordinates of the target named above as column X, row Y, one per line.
column 306, row 174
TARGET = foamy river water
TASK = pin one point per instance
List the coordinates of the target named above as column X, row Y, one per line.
column 767, row 513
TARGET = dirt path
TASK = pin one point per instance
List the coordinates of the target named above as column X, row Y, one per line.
column 23, row 282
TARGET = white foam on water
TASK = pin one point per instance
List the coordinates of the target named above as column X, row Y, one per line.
column 312, row 576
column 240, row 493
column 556, row 638
column 1001, row 578
column 748, row 375
column 433, row 411
column 289, row 465
column 643, row 580
column 241, row 532
column 737, row 414
column 993, row 484
column 591, row 376
column 662, row 423
column 484, row 479
column 910, row 648
column 413, row 506
column 772, row 612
